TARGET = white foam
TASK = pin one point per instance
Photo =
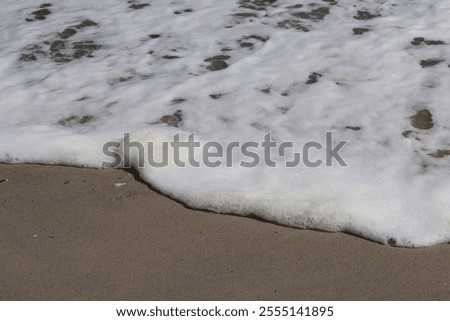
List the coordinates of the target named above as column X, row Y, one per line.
column 63, row 113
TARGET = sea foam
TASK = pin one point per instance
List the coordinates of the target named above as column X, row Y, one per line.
column 83, row 73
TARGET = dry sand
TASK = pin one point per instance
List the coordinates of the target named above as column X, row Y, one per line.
column 70, row 234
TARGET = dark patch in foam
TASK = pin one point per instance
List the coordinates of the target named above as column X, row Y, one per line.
column 360, row 31
column 71, row 120
column 313, row 78
column 422, row 41
column 176, row 101
column 423, row 120
column 365, row 15
column 297, row 6
column 251, row 41
column 355, row 128
column 172, row 120
column 86, row 23
column 392, row 242
column 216, row 58
column 87, row 45
column 256, row 37
column 298, row 22
column 67, row 33
column 245, row 15
column 283, row 109
column 217, row 65
column 314, row 15
column 41, row 13
column 85, row 119
column 122, row 79
column 246, row 44
column 60, row 50
column 440, row 153
column 169, row 57
column 258, row 5
column 292, row 24
column 215, row 96
column 33, row 52
column 137, row 6
column 84, row 48
column 183, row 11
column 430, row 62
column 406, row 133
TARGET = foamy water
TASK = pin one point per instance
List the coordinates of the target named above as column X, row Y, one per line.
column 77, row 74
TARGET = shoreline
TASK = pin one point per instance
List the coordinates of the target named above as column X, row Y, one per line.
column 81, row 234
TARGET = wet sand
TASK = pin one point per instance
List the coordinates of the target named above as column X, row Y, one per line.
column 71, row 234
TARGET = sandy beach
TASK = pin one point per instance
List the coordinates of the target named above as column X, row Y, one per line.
column 81, row 234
